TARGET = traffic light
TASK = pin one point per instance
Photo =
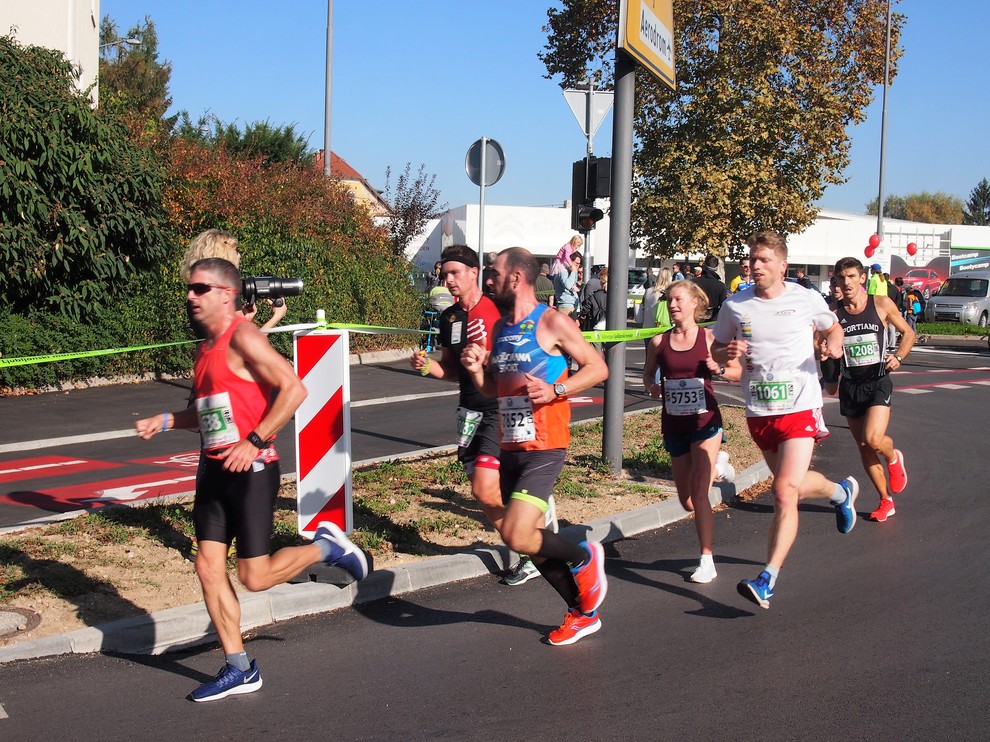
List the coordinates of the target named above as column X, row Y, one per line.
column 591, row 179
column 587, row 217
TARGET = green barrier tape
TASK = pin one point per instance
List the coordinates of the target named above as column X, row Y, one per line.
column 375, row 330
column 594, row 336
column 28, row 360
column 54, row 357
column 622, row 336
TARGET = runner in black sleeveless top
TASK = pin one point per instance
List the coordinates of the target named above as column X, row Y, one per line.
column 865, row 387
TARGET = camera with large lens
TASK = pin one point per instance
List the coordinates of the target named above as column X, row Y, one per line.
column 270, row 287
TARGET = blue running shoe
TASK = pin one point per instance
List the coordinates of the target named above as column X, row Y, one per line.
column 758, row 590
column 228, row 682
column 845, row 511
column 343, row 552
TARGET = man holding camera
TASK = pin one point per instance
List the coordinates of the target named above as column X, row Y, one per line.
column 244, row 392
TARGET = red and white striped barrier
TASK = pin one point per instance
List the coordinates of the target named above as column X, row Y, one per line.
column 323, row 430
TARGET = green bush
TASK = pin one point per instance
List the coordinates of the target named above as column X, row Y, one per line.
column 360, row 287
column 950, row 328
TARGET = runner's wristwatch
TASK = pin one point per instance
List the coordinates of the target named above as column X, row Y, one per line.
column 255, row 440
column 559, row 389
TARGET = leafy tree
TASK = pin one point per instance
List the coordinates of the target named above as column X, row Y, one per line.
column 978, row 206
column 929, row 208
column 758, row 125
column 132, row 80
column 80, row 204
column 933, row 208
column 414, row 201
column 208, row 187
column 273, row 144
column 893, row 207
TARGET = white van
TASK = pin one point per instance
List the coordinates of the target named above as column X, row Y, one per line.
column 964, row 297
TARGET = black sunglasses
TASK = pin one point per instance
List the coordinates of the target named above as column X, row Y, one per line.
column 202, row 288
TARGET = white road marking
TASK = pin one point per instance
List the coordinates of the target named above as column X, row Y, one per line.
column 951, row 386
column 37, row 467
column 914, row 391
column 130, row 432
column 981, row 383
column 3, row 714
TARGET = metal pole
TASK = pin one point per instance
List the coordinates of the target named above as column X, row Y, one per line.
column 588, row 233
column 326, row 115
column 618, row 257
column 883, row 127
column 481, row 213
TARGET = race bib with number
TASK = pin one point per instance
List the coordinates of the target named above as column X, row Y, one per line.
column 467, row 425
column 772, row 395
column 684, row 397
column 516, row 416
column 216, row 421
column 862, row 350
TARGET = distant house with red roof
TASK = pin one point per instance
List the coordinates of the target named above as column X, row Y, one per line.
column 362, row 191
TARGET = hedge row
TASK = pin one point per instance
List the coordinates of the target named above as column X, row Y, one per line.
column 360, row 286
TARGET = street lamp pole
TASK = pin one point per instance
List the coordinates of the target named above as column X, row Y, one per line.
column 326, row 114
column 883, row 127
column 120, row 44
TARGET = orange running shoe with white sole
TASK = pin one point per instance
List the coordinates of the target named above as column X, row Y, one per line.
column 883, row 511
column 897, row 473
column 590, row 578
column 575, row 626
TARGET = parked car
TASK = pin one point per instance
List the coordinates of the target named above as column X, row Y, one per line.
column 964, row 297
column 636, row 289
column 926, row 280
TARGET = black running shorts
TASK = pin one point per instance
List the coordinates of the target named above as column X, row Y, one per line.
column 855, row 398
column 530, row 475
column 240, row 505
column 484, row 443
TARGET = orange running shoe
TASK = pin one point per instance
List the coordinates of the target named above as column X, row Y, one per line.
column 575, row 625
column 883, row 511
column 897, row 472
column 590, row 578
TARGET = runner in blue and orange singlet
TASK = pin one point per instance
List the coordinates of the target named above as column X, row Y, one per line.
column 527, row 372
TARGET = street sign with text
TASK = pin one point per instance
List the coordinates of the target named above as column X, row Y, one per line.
column 646, row 33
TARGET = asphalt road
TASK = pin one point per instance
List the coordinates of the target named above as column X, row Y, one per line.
column 69, row 451
column 879, row 634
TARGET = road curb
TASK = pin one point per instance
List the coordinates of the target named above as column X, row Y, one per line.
column 952, row 341
column 188, row 626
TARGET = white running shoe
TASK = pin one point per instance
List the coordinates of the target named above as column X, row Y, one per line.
column 704, row 574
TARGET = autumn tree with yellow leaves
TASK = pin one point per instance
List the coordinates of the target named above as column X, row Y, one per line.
column 758, row 125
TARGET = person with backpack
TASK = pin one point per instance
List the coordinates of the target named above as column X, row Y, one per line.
column 594, row 306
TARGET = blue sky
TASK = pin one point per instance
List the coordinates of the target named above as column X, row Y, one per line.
column 420, row 81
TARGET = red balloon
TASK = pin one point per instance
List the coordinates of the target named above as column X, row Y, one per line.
column 875, row 241
column 869, row 251
column 911, row 248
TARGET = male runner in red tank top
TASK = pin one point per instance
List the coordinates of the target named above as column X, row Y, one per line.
column 244, row 392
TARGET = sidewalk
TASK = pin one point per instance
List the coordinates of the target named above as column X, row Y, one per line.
column 188, row 626
column 969, row 342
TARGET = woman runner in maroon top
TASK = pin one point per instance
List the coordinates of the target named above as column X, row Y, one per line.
column 679, row 369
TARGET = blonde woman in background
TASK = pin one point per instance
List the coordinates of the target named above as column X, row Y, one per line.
column 215, row 243
column 654, row 295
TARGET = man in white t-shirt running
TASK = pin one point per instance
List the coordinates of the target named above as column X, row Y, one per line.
column 771, row 328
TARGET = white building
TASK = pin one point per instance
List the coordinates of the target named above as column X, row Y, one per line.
column 542, row 230
column 70, row 26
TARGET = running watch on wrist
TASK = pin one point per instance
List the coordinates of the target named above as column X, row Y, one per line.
column 255, row 440
column 559, row 389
